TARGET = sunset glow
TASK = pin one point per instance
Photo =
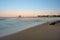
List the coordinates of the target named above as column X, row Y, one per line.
column 13, row 8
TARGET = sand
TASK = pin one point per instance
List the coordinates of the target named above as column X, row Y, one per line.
column 39, row 32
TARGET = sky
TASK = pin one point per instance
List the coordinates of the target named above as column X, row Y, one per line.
column 29, row 7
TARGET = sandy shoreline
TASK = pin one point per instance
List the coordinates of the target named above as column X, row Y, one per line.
column 39, row 32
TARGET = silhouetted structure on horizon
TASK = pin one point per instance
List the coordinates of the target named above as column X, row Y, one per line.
column 19, row 16
column 48, row 16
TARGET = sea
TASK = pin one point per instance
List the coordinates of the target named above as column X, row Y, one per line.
column 11, row 25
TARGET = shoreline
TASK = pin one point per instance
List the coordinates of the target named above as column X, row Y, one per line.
column 39, row 32
column 25, row 27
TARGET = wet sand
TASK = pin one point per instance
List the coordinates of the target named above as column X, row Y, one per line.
column 40, row 32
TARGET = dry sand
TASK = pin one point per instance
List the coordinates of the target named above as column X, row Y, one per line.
column 39, row 32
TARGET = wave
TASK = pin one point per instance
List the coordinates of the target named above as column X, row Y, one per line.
column 2, row 19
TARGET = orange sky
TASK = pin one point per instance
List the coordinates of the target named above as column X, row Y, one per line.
column 26, row 13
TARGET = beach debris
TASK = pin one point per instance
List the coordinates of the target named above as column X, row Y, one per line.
column 53, row 23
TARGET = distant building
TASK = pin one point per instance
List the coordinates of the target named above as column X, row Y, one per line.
column 19, row 16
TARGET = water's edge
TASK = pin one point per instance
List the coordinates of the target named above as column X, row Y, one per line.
column 10, row 26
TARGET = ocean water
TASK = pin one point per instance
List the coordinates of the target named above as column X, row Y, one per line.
column 9, row 26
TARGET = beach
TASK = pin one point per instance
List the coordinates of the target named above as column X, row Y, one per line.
column 39, row 32
column 29, row 19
